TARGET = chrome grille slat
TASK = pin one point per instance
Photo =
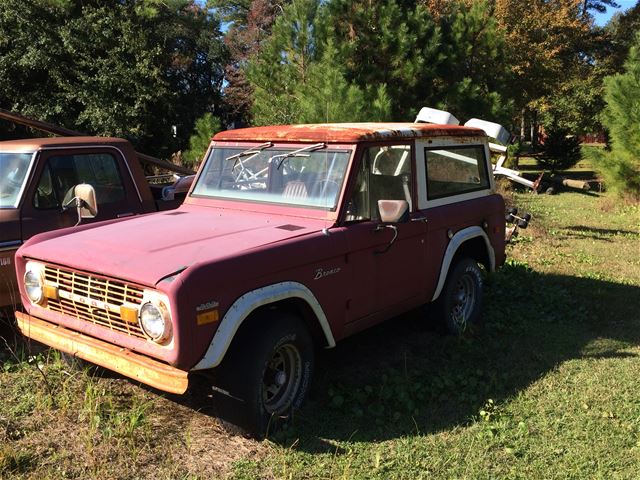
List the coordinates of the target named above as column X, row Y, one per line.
column 112, row 292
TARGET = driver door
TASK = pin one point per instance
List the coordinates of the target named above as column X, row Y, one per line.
column 386, row 274
column 52, row 187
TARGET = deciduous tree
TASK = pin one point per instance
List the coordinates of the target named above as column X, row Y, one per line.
column 129, row 68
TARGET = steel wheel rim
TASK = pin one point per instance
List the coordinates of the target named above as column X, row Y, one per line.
column 464, row 299
column 282, row 379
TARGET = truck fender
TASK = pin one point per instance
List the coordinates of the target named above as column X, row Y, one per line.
column 456, row 242
column 249, row 302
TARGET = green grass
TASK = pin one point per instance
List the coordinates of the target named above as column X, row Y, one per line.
column 549, row 389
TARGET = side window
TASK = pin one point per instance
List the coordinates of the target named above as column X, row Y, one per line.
column 455, row 170
column 384, row 174
column 62, row 173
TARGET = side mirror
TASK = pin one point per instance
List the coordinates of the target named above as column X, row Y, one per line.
column 393, row 211
column 86, row 203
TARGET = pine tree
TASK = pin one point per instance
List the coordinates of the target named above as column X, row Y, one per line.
column 621, row 166
column 475, row 68
column 297, row 77
column 205, row 127
column 389, row 42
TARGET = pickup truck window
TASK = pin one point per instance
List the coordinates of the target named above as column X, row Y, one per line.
column 455, row 170
column 308, row 179
column 62, row 173
column 384, row 174
column 13, row 171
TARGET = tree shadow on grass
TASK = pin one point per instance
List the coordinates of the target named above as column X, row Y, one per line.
column 401, row 378
column 599, row 233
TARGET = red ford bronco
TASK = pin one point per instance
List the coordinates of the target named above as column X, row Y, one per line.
column 290, row 239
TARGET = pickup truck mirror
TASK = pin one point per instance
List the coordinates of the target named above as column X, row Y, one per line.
column 393, row 211
column 86, row 202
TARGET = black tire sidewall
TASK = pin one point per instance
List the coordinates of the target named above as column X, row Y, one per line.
column 461, row 267
column 254, row 354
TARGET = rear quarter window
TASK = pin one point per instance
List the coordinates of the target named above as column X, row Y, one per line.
column 455, row 170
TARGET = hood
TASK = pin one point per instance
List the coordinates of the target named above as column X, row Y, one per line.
column 147, row 248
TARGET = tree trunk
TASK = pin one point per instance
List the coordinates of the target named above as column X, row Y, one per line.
column 534, row 129
column 523, row 125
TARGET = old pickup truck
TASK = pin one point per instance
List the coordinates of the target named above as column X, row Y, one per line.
column 290, row 239
column 37, row 180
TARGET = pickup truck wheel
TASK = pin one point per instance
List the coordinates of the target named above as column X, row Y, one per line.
column 271, row 371
column 460, row 301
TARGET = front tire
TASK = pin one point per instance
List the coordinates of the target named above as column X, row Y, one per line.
column 270, row 369
column 460, row 302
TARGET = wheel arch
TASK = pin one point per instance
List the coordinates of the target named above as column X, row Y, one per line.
column 472, row 242
column 292, row 297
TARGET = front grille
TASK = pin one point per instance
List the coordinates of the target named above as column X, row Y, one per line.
column 93, row 299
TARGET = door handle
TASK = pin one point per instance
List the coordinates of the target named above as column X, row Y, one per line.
column 122, row 215
column 419, row 219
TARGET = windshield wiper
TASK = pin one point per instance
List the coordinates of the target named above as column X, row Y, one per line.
column 250, row 151
column 297, row 153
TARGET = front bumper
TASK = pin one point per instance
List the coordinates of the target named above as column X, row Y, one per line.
column 138, row 367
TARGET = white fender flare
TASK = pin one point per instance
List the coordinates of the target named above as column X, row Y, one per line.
column 246, row 304
column 456, row 241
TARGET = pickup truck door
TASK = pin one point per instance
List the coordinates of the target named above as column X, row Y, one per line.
column 385, row 278
column 58, row 171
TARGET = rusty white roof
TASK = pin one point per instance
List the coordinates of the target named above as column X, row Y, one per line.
column 346, row 132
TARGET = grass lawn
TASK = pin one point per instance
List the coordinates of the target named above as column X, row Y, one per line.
column 549, row 389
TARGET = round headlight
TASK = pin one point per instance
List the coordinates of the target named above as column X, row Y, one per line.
column 33, row 286
column 155, row 323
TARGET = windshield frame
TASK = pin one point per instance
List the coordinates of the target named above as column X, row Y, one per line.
column 26, row 178
column 267, row 206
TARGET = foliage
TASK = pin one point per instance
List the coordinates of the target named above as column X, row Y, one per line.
column 473, row 50
column 599, row 6
column 560, row 150
column 131, row 69
column 250, row 23
column 621, row 166
column 444, row 62
column 324, row 63
column 297, row 79
column 620, row 32
column 206, row 126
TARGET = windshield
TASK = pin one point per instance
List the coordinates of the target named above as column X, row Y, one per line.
column 13, row 171
column 292, row 176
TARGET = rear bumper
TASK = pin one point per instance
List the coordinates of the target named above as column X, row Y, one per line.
column 130, row 364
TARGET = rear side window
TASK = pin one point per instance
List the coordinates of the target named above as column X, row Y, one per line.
column 455, row 170
column 62, row 173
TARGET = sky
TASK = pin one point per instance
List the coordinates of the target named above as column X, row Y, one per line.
column 603, row 18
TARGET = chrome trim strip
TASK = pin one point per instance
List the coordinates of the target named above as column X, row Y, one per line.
column 10, row 245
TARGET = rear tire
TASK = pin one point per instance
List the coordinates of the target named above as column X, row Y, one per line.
column 269, row 368
column 460, row 303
